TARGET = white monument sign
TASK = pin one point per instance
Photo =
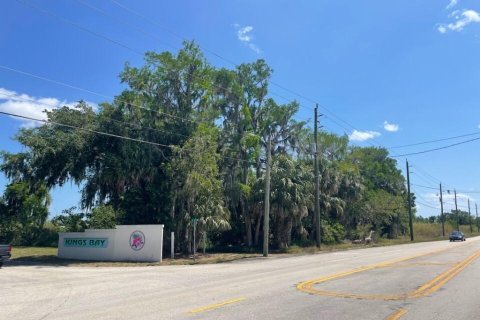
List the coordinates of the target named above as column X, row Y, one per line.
column 124, row 243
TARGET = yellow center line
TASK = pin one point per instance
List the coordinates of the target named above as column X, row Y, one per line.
column 216, row 305
column 397, row 314
column 428, row 288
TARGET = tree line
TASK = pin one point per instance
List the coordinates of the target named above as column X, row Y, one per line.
column 207, row 130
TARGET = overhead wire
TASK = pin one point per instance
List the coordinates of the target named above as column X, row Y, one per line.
column 437, row 140
column 426, row 205
column 127, row 47
column 114, row 99
column 49, row 13
column 152, row 21
column 129, row 124
column 54, row 106
column 52, row 14
column 104, row 133
column 422, row 186
column 436, row 149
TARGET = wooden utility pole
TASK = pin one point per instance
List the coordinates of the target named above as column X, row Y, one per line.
column 172, row 245
column 266, row 214
column 442, row 217
column 410, row 218
column 470, row 217
column 318, row 221
column 194, row 240
column 456, row 210
column 476, row 220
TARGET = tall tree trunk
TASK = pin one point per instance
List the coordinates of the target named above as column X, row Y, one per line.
column 257, row 230
column 248, row 226
column 244, row 206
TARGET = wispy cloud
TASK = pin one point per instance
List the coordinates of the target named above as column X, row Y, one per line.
column 363, row 135
column 433, row 199
column 28, row 106
column 390, row 127
column 244, row 34
column 452, row 4
column 461, row 20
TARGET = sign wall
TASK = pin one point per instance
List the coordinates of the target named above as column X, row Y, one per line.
column 124, row 243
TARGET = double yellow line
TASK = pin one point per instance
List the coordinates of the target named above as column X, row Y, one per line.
column 428, row 288
column 440, row 280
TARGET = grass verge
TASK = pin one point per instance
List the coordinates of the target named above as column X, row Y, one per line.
column 48, row 255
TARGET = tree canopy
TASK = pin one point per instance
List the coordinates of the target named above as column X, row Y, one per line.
column 205, row 132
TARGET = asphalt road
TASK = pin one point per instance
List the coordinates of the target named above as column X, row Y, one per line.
column 434, row 280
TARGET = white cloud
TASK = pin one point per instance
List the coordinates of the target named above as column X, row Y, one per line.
column 433, row 199
column 452, row 4
column 244, row 34
column 390, row 127
column 28, row 106
column 462, row 20
column 254, row 48
column 363, row 135
column 455, row 14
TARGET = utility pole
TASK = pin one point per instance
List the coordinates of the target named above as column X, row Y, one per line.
column 456, row 210
column 441, row 212
column 318, row 222
column 470, row 217
column 476, row 220
column 266, row 214
column 409, row 203
column 204, row 241
column 172, row 245
column 194, row 240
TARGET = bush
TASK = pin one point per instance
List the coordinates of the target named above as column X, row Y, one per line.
column 102, row 217
column 332, row 233
column 48, row 237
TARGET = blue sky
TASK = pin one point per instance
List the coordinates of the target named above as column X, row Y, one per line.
column 410, row 67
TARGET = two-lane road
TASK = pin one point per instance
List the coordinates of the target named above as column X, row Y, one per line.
column 434, row 280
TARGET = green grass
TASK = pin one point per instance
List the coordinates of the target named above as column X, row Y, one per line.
column 48, row 256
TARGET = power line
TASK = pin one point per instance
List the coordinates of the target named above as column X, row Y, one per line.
column 52, row 14
column 123, row 22
column 103, row 133
column 422, row 178
column 117, row 99
column 426, row 205
column 130, row 124
column 419, row 195
column 428, row 175
column 433, row 141
column 76, row 25
column 53, row 106
column 133, row 104
column 464, row 191
column 436, row 149
column 154, row 22
column 84, row 129
column 49, row 13
column 421, row 186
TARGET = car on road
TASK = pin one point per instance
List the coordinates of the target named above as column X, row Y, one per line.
column 457, row 236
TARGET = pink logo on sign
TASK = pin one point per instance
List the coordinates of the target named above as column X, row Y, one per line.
column 137, row 240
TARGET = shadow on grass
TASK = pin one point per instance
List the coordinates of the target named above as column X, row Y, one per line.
column 54, row 261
